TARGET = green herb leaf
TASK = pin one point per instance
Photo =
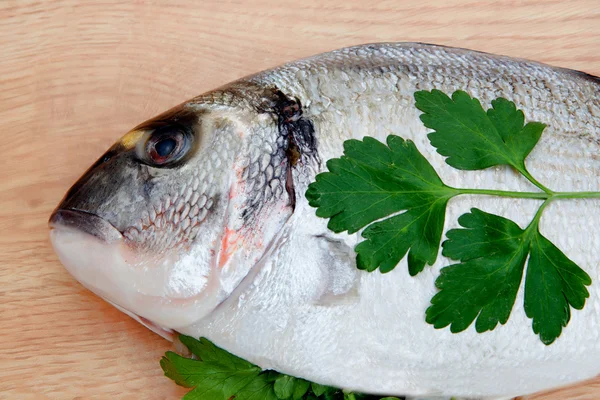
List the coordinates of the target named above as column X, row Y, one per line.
column 258, row 389
column 473, row 139
column 206, row 351
column 519, row 138
column 318, row 389
column 284, row 386
column 419, row 229
column 219, row 375
column 492, row 251
column 287, row 387
column 372, row 181
column 484, row 285
column 553, row 284
column 302, row 387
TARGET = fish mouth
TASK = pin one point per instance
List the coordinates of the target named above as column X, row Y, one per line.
column 141, row 284
column 85, row 222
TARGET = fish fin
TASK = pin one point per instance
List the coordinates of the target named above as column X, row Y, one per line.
column 181, row 349
column 341, row 279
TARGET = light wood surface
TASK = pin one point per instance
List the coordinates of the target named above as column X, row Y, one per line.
column 75, row 75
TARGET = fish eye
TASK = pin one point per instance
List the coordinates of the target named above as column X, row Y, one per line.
column 166, row 145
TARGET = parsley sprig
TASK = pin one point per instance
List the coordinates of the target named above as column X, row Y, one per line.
column 393, row 192
column 219, row 375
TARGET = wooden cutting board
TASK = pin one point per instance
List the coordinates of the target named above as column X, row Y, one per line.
column 75, row 75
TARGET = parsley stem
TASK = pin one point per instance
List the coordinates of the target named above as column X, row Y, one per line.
column 523, row 170
column 575, row 195
column 533, row 225
column 505, row 193
column 527, row 195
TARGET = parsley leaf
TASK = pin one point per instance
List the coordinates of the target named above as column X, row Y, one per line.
column 219, row 375
column 258, row 389
column 485, row 284
column 473, row 139
column 288, row 387
column 419, row 229
column 371, row 181
column 319, row 389
column 553, row 284
column 492, row 251
column 520, row 138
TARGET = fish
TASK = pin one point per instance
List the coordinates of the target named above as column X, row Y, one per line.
column 196, row 222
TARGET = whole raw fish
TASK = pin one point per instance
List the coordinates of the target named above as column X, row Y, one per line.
column 196, row 222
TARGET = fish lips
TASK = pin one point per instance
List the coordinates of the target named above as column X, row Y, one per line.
column 86, row 222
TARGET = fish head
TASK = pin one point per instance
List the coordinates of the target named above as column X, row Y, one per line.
column 169, row 221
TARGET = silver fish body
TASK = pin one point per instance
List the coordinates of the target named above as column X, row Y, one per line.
column 221, row 242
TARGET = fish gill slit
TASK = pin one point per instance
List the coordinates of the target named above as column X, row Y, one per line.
column 298, row 136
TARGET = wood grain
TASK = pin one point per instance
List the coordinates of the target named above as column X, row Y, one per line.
column 75, row 75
